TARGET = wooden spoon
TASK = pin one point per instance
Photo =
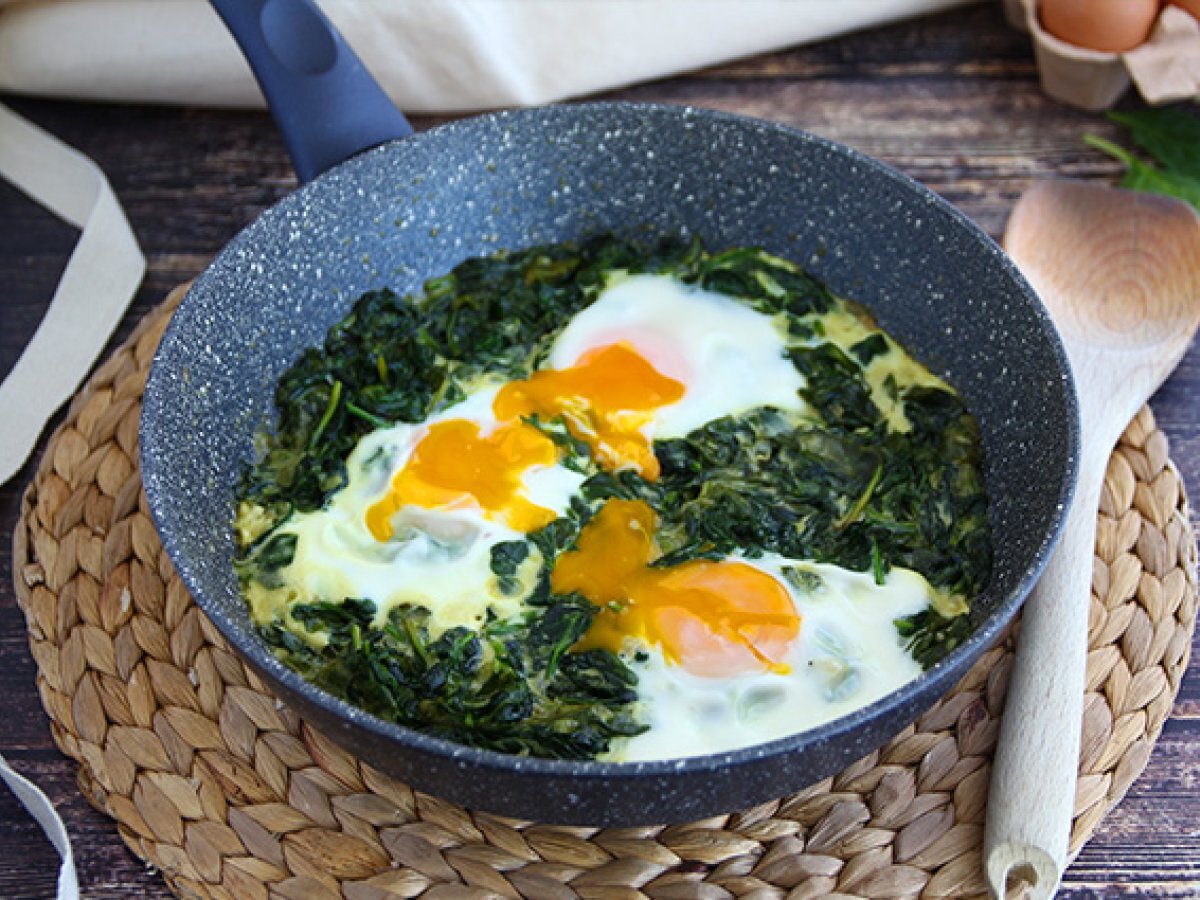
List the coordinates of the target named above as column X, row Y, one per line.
column 1120, row 275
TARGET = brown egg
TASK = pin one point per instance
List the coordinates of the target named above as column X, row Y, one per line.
column 1112, row 25
column 1192, row 6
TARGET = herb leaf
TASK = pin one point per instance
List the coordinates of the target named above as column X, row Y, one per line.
column 928, row 635
column 1169, row 134
column 1172, row 138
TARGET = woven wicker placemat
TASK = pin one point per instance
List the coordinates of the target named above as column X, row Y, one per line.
column 222, row 788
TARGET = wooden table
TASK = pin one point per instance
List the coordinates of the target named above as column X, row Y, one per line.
column 952, row 100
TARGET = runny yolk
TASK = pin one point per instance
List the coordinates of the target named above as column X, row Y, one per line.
column 711, row 618
column 455, row 466
column 605, row 398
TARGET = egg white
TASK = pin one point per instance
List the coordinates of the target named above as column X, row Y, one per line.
column 847, row 655
column 730, row 358
column 438, row 558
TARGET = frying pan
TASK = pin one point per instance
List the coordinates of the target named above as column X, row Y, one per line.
column 409, row 208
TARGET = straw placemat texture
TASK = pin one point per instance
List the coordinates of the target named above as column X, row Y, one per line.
column 223, row 789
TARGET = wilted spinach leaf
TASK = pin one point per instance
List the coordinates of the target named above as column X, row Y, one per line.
column 514, row 686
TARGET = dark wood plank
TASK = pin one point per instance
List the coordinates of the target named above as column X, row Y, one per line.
column 952, row 100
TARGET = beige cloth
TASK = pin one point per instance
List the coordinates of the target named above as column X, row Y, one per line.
column 430, row 55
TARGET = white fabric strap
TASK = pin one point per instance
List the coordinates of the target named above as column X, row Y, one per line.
column 42, row 809
column 100, row 279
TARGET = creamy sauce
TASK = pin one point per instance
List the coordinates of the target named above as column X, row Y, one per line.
column 845, row 328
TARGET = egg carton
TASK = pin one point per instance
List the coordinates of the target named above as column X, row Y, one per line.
column 1165, row 68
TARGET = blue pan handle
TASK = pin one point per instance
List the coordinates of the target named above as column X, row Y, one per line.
column 326, row 104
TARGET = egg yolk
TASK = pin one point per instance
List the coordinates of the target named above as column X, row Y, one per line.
column 711, row 618
column 605, row 399
column 455, row 466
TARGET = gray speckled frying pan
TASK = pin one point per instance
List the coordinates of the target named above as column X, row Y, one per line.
column 413, row 208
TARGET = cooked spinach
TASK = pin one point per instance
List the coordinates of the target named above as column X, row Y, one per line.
column 857, row 497
column 398, row 359
column 929, row 636
column 840, row 484
column 515, row 687
column 263, row 561
column 507, row 557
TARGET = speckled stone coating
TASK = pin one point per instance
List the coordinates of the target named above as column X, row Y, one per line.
column 412, row 209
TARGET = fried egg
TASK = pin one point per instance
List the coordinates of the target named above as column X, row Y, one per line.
column 421, row 510
column 737, row 651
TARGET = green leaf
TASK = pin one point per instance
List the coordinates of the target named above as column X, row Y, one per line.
column 515, row 686
column 1168, row 134
column 1172, row 138
column 507, row 556
column 1149, row 180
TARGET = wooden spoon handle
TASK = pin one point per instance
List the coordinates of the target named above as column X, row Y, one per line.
column 1032, row 794
column 1120, row 275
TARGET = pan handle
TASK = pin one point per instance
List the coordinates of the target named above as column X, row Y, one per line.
column 326, row 104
